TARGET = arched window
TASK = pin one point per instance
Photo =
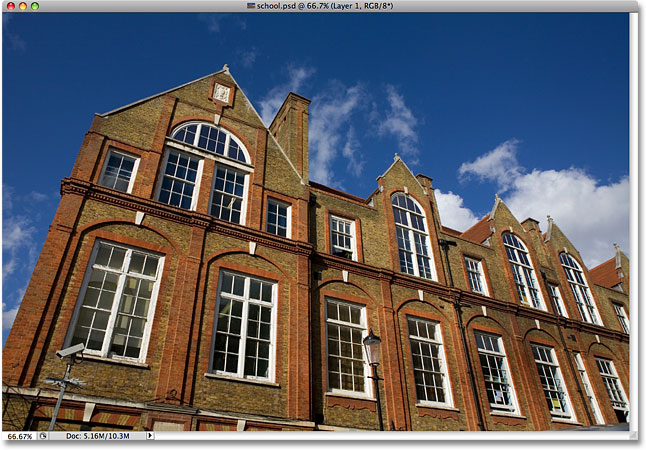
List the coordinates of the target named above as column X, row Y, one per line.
column 415, row 256
column 183, row 165
column 521, row 267
column 580, row 290
column 212, row 139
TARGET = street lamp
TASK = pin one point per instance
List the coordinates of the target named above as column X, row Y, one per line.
column 372, row 344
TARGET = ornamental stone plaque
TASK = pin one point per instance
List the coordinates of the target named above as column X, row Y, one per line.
column 221, row 93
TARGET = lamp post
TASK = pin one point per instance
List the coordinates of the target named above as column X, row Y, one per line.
column 372, row 344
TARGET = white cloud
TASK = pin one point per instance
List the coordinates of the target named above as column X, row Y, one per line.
column 593, row 216
column 499, row 165
column 453, row 213
column 352, row 154
column 248, row 57
column 214, row 21
column 276, row 96
column 400, row 122
column 8, row 316
column 330, row 112
column 16, row 42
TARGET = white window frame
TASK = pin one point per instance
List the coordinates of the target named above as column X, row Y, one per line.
column 587, row 387
column 555, row 293
column 524, row 275
column 198, row 176
column 410, row 231
column 353, row 236
column 229, row 136
column 115, row 151
column 609, row 377
column 474, row 266
column 245, row 195
column 368, row 390
column 622, row 317
column 551, row 365
column 580, row 289
column 446, row 382
column 512, row 408
column 107, row 339
column 246, row 301
column 288, row 213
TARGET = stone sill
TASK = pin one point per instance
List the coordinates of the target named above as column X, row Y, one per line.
column 242, row 380
column 121, row 362
column 442, row 407
column 506, row 414
column 567, row 421
column 350, row 396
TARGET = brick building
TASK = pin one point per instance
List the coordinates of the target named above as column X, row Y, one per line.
column 216, row 287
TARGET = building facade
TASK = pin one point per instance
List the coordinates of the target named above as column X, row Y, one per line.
column 215, row 287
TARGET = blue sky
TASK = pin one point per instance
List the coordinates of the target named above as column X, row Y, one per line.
column 533, row 107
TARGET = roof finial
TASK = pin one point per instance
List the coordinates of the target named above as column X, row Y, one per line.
column 396, row 158
column 549, row 218
column 226, row 68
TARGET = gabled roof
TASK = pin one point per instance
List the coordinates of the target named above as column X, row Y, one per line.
column 121, row 108
column 397, row 159
column 605, row 274
column 451, row 231
column 479, row 232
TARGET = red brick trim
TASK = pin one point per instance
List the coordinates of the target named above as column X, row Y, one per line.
column 507, row 420
column 342, row 296
column 352, row 403
column 209, row 120
column 485, row 271
column 219, row 103
column 447, row 336
column 211, row 273
column 217, row 425
column 94, row 227
column 357, row 231
column 293, row 210
column 438, row 413
column 156, row 416
column 219, row 254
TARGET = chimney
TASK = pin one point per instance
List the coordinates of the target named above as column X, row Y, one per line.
column 290, row 128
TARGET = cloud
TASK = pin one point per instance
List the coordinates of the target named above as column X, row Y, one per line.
column 352, row 153
column 248, row 57
column 22, row 218
column 453, row 213
column 15, row 41
column 330, row 113
column 400, row 122
column 499, row 165
column 276, row 96
column 8, row 316
column 214, row 21
column 592, row 215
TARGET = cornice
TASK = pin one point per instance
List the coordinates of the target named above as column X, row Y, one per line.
column 178, row 215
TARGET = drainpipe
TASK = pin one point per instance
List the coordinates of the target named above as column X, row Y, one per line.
column 458, row 311
column 567, row 353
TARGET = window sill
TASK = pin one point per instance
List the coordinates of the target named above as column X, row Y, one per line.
column 568, row 421
column 443, row 407
column 120, row 362
column 242, row 380
column 350, row 396
column 506, row 414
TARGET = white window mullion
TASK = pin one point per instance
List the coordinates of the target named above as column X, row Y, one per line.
column 107, row 340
